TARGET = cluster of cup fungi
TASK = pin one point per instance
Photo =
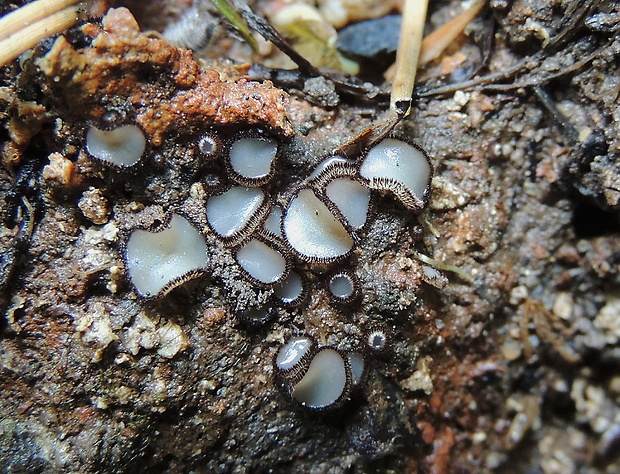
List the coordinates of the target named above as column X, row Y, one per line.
column 287, row 235
column 279, row 237
column 281, row 241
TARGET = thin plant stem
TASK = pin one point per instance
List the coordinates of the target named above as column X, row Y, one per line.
column 409, row 44
column 14, row 45
column 29, row 14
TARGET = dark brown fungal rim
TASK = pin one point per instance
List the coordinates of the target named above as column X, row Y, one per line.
column 108, row 127
column 217, row 144
column 244, row 180
column 346, row 163
column 337, row 171
column 346, row 391
column 354, row 283
column 214, row 184
column 364, row 355
column 295, row 373
column 273, row 245
column 156, row 228
column 267, row 234
column 334, row 171
column 270, row 313
column 406, row 197
column 250, row 226
column 305, row 291
column 307, row 258
column 369, row 349
column 171, row 285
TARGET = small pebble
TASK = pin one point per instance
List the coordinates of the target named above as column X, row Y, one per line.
column 372, row 39
column 511, row 349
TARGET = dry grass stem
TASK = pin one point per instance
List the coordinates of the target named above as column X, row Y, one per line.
column 14, row 45
column 29, row 14
column 409, row 44
column 436, row 42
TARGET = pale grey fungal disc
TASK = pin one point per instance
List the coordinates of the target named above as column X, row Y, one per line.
column 122, row 146
column 328, row 163
column 234, row 211
column 291, row 356
column 313, row 231
column 434, row 277
column 351, row 198
column 377, row 340
column 357, row 364
column 325, row 382
column 258, row 315
column 273, row 223
column 261, row 262
column 213, row 182
column 291, row 289
column 209, row 145
column 252, row 158
column 396, row 166
column 156, row 260
column 342, row 287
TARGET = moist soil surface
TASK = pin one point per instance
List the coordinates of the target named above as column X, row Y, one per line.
column 500, row 299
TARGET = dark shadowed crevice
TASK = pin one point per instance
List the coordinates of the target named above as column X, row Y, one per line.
column 590, row 221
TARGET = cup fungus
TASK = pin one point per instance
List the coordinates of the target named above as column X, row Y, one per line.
column 210, row 146
column 402, row 168
column 352, row 200
column 258, row 315
column 312, row 230
column 159, row 261
column 342, row 287
column 325, row 383
column 327, row 164
column 121, row 147
column 251, row 160
column 377, row 340
column 357, row 363
column 273, row 222
column 293, row 355
column 291, row 290
column 263, row 263
column 233, row 214
column 319, row 222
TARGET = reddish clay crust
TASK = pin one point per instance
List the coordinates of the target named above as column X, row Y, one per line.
column 114, row 66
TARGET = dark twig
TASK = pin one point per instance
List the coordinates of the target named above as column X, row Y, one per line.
column 371, row 135
column 558, row 116
column 266, row 30
column 575, row 14
column 539, row 81
column 528, row 65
